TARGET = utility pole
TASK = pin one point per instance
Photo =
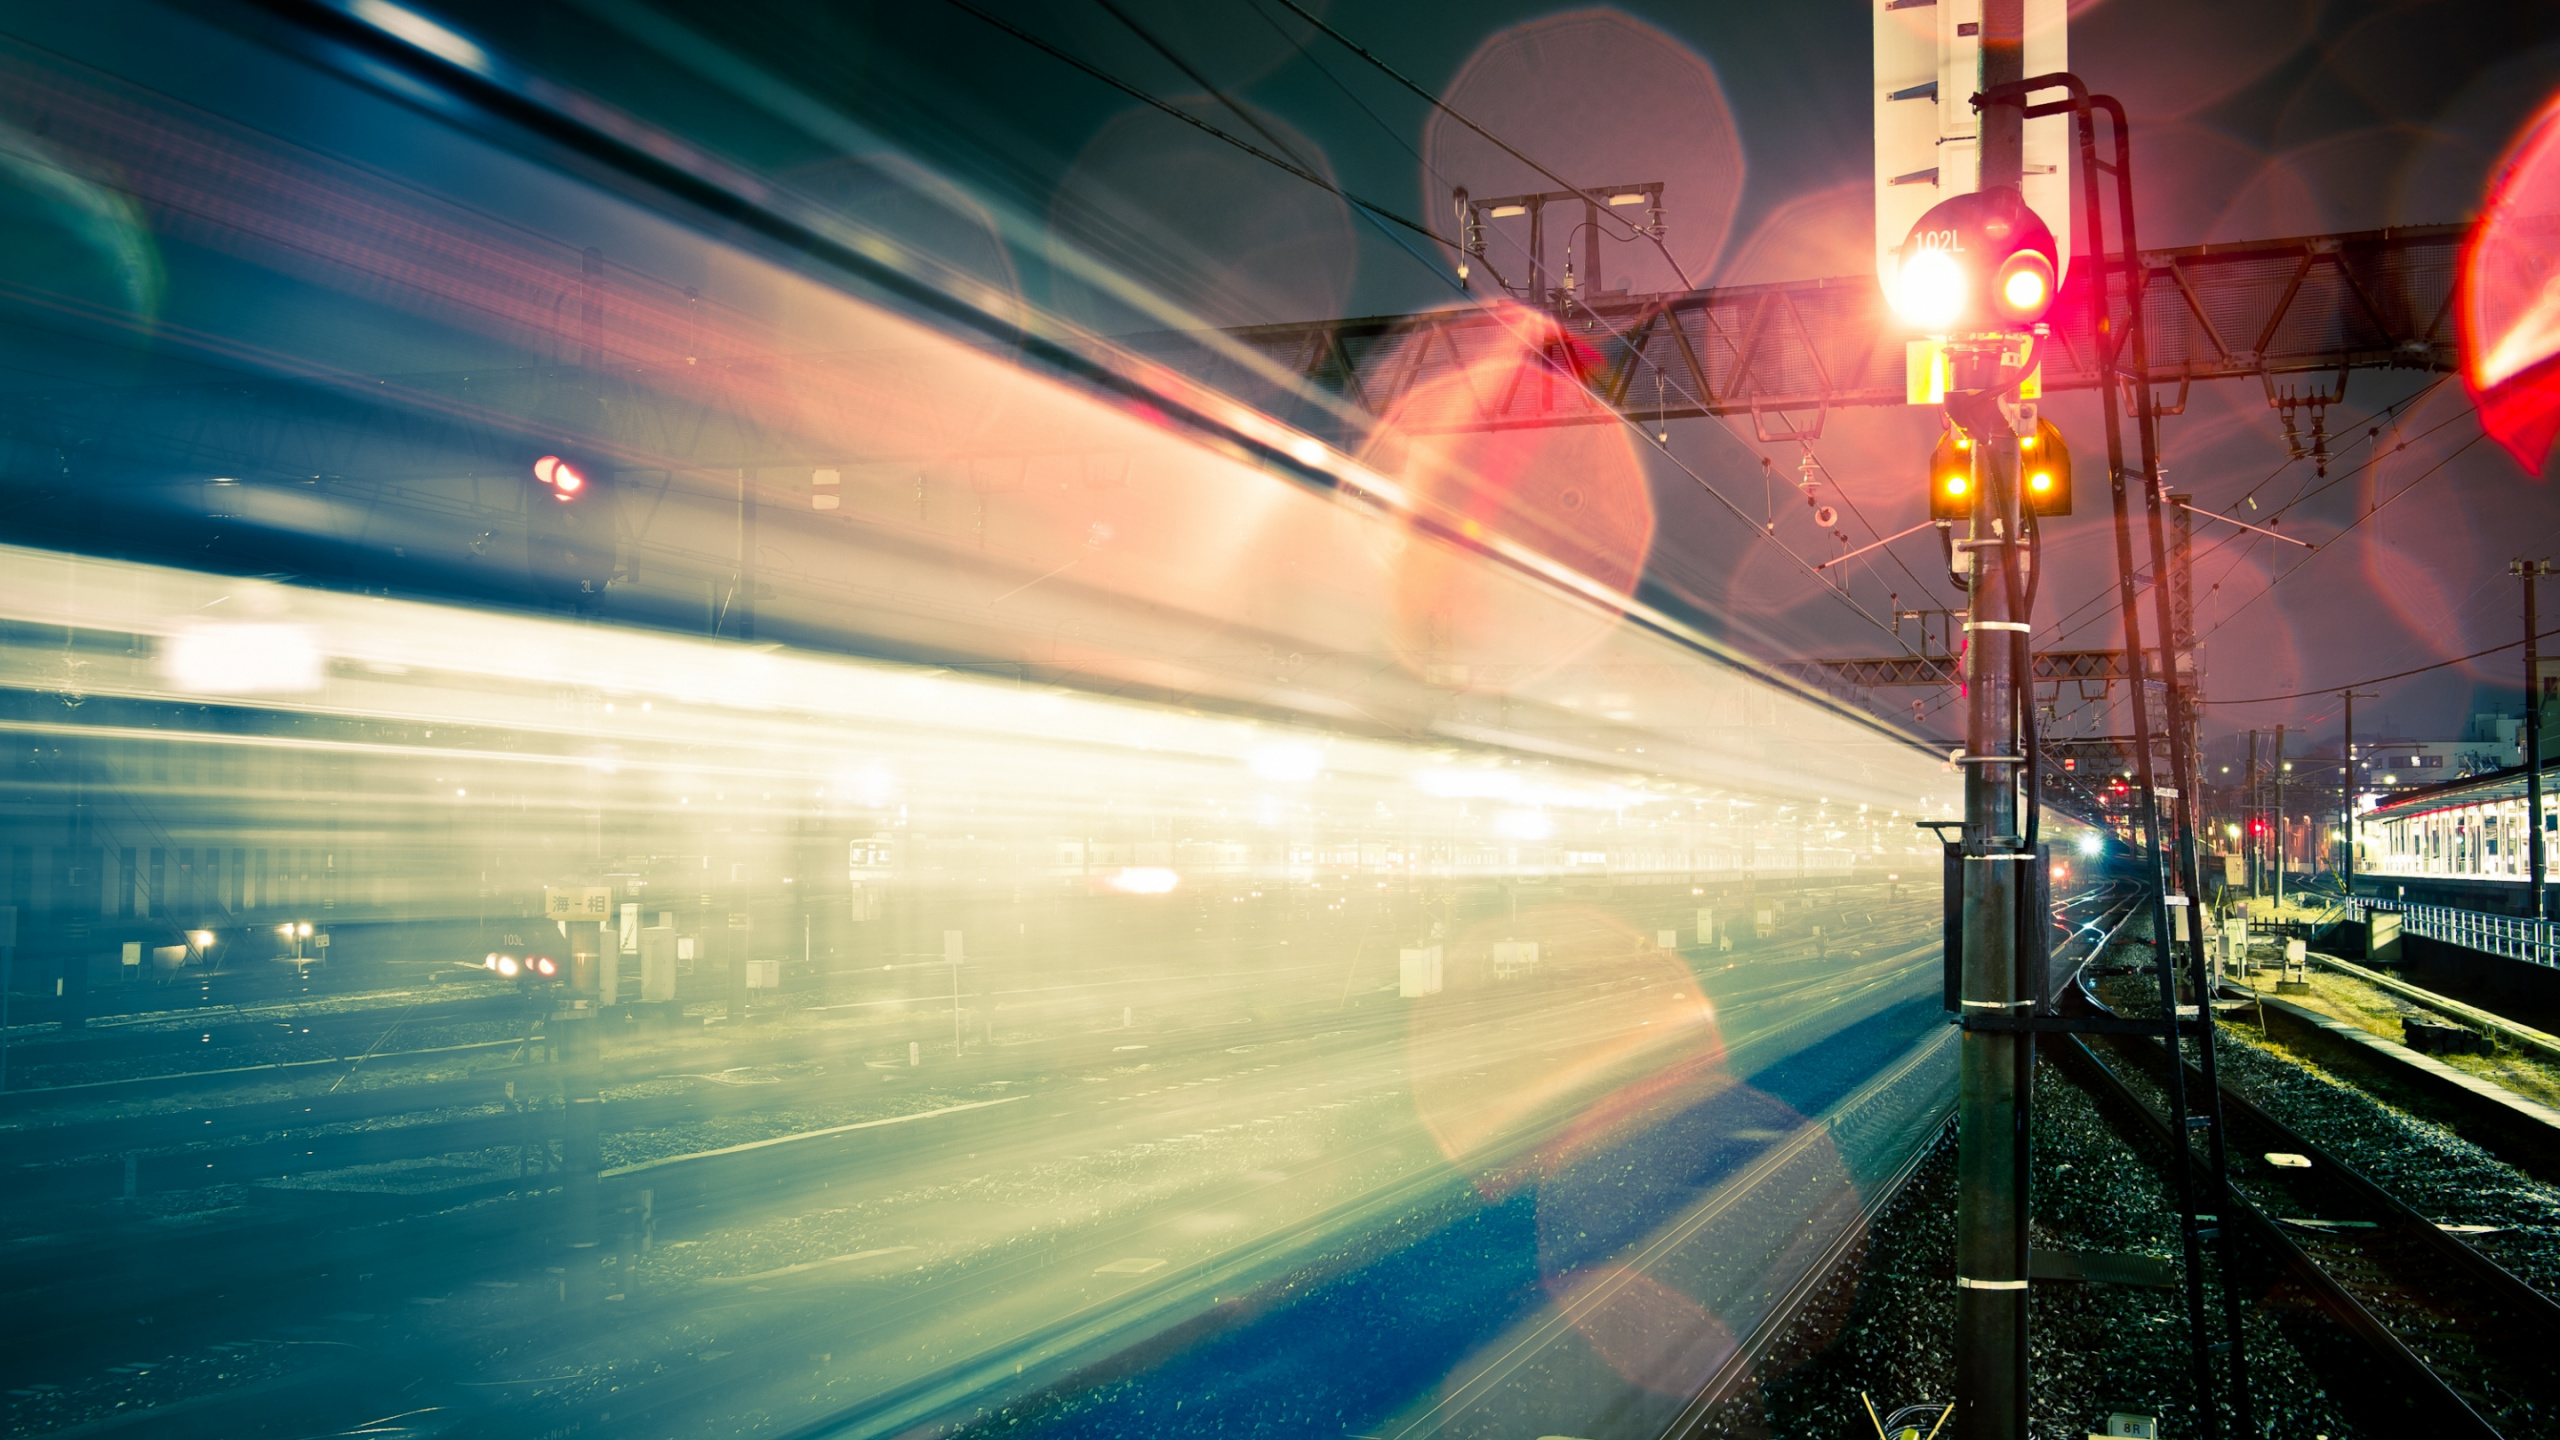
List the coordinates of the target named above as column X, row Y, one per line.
column 1994, row 1068
column 2347, row 795
column 2249, row 818
column 2529, row 572
column 2276, row 829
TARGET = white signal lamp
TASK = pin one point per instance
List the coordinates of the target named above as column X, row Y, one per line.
column 1931, row 292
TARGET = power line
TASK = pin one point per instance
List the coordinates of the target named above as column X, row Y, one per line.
column 2379, row 679
column 2296, row 566
column 1445, row 108
column 1661, row 375
column 1302, row 173
column 1192, row 72
column 2064, row 629
column 2063, row 624
column 1195, row 122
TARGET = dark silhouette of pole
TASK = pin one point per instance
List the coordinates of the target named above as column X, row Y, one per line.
column 2253, row 816
column 2347, row 795
column 2277, row 828
column 2112, row 341
column 2529, row 572
column 1993, row 1067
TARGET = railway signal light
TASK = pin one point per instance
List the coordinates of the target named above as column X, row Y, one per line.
column 1976, row 263
column 569, row 539
column 2044, row 471
column 2044, row 474
column 564, row 477
column 570, row 548
column 1951, row 477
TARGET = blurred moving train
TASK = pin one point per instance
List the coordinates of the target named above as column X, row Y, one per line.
column 982, row 786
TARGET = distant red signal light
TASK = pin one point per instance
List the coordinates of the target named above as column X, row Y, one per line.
column 559, row 474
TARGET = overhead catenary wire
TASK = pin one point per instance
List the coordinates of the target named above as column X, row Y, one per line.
column 1445, row 108
column 1155, row 102
column 2327, row 690
column 1662, row 378
column 1177, row 112
column 1306, row 167
column 2065, row 625
column 2377, row 509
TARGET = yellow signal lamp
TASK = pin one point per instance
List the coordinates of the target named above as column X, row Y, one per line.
column 1951, row 477
column 2044, row 474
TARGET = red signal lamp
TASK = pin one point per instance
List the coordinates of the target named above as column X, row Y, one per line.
column 563, row 477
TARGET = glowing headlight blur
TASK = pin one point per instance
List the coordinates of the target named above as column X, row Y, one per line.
column 508, row 967
column 1144, row 880
column 2091, row 845
column 241, row 660
column 542, row 965
column 1287, row 762
column 1930, row 292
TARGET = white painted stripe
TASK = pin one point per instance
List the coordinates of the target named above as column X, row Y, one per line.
column 1969, row 1283
column 803, row 1135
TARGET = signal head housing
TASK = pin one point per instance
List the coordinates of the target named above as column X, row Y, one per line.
column 2044, row 474
column 1978, row 262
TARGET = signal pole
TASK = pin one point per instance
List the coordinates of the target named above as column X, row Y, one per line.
column 2529, row 572
column 2347, row 795
column 1994, row 1067
column 2275, row 829
column 2249, row 815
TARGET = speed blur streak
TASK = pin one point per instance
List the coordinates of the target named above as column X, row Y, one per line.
column 940, row 1007
column 1576, row 494
column 611, row 832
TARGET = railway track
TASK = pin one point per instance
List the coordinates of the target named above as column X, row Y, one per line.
column 2443, row 1335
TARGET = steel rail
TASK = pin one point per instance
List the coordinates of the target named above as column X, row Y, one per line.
column 2508, row 1322
column 2429, row 1392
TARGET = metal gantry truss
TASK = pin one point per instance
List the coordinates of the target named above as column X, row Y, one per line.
column 1789, row 353
column 1786, row 354
column 2106, row 666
